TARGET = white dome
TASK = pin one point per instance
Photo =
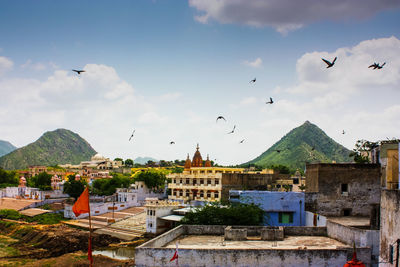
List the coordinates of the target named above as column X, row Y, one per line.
column 98, row 157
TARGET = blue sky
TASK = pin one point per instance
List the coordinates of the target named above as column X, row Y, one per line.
column 169, row 68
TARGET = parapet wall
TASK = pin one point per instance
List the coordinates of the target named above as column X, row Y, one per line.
column 154, row 252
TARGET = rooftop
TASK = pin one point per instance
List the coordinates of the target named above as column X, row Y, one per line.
column 351, row 220
column 290, row 242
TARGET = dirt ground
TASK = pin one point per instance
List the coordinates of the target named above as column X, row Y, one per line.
column 54, row 245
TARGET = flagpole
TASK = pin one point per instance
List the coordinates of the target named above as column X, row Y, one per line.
column 90, row 236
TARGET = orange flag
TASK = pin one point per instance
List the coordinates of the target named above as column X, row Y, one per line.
column 82, row 204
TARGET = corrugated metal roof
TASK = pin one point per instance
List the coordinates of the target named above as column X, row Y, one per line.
column 175, row 218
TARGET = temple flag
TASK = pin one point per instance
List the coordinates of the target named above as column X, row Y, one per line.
column 82, row 204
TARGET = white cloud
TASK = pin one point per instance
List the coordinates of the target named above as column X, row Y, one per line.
column 38, row 66
column 5, row 65
column 248, row 101
column 286, row 15
column 255, row 64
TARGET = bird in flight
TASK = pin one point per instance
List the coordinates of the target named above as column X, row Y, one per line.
column 253, row 81
column 233, row 130
column 278, row 150
column 172, row 143
column 343, row 132
column 270, row 101
column 132, row 135
column 330, row 64
column 220, row 118
column 377, row 66
column 241, row 142
column 313, row 148
column 78, row 71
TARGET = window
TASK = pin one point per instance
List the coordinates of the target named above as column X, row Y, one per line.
column 187, row 181
column 346, row 212
column 180, row 181
column 285, row 217
column 208, row 181
column 216, row 194
column 194, row 181
column 201, row 193
column 201, row 181
column 295, row 180
column 344, row 189
column 181, row 193
column 216, row 181
column 278, row 186
column 208, row 194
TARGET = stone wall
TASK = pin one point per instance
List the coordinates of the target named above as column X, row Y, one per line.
column 361, row 237
column 390, row 225
column 241, row 181
column 324, row 181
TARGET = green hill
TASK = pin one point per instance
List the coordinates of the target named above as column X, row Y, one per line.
column 6, row 147
column 57, row 147
column 306, row 143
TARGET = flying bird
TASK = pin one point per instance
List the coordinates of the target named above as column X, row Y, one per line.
column 278, row 150
column 220, row 118
column 132, row 135
column 172, row 143
column 233, row 130
column 343, row 132
column 78, row 71
column 330, row 64
column 270, row 101
column 253, row 81
column 313, row 148
column 377, row 66
column 241, row 142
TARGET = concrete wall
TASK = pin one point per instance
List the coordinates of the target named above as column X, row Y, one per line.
column 153, row 253
column 311, row 218
column 361, row 237
column 273, row 203
column 241, row 181
column 242, row 257
column 304, row 231
column 390, row 224
column 324, row 180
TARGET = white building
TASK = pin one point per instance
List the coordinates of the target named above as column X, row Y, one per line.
column 155, row 209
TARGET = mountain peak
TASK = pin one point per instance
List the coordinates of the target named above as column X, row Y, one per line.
column 53, row 147
column 306, row 143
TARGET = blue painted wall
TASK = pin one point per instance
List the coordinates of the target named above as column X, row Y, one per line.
column 273, row 203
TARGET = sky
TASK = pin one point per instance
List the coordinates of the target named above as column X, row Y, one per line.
column 167, row 69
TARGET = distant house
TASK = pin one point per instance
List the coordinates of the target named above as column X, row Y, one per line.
column 281, row 208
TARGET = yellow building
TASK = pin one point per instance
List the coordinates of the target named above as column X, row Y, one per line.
column 197, row 182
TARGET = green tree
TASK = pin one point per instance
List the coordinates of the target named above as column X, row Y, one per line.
column 107, row 187
column 74, row 188
column 282, row 169
column 177, row 170
column 119, row 159
column 129, row 163
column 216, row 214
column 8, row 178
column 152, row 178
column 41, row 181
column 361, row 151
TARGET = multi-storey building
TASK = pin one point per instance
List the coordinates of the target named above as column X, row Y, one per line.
column 197, row 182
column 207, row 183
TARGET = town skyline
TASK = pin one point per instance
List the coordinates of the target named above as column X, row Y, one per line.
column 168, row 69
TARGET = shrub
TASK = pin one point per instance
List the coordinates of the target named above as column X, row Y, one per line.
column 10, row 214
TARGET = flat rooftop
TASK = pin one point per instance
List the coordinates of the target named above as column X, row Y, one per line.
column 351, row 220
column 15, row 204
column 289, row 242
